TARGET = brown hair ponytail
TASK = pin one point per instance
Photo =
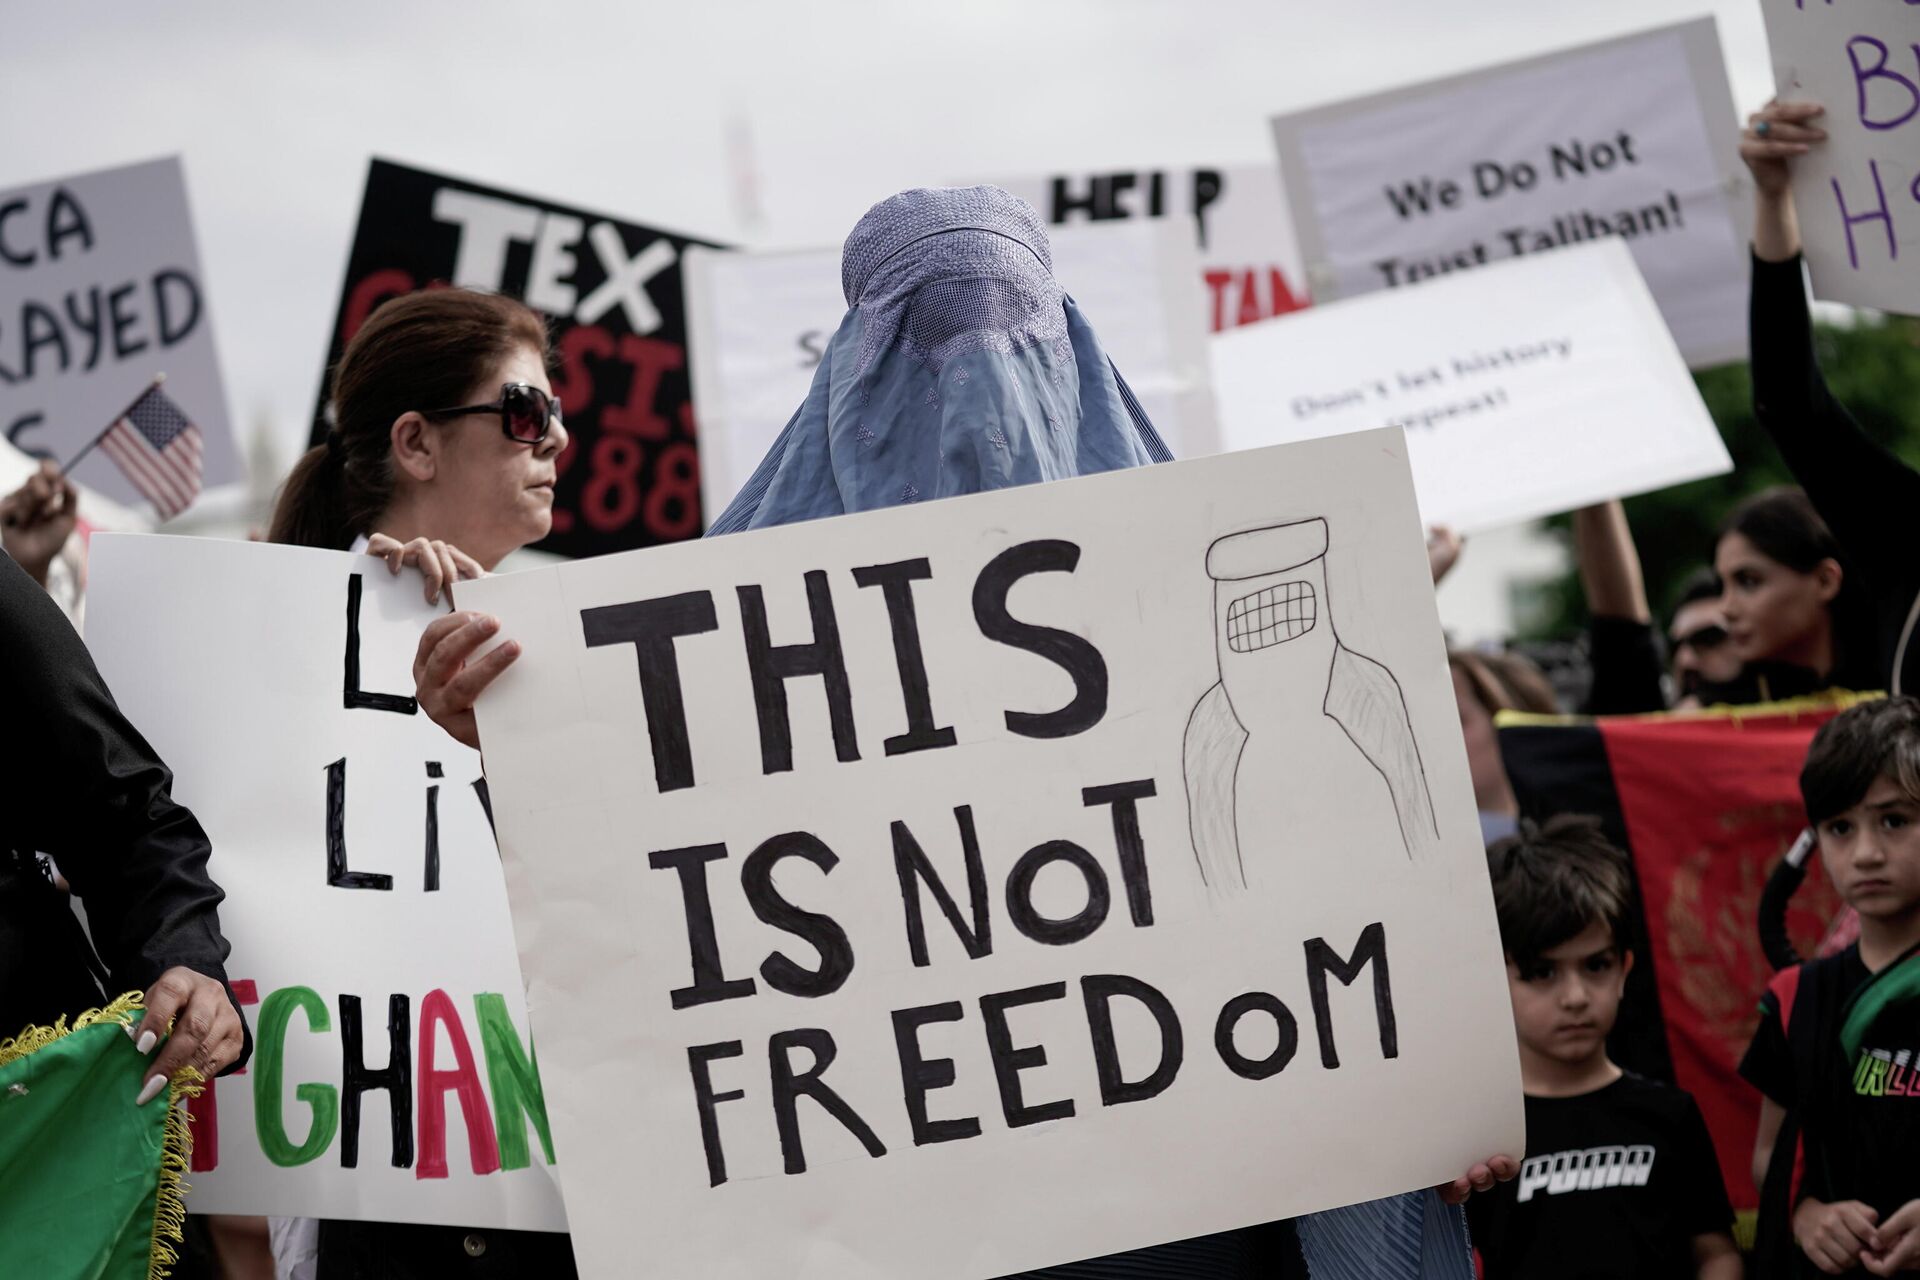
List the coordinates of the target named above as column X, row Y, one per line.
column 422, row 351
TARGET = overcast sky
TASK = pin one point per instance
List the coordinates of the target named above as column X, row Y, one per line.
column 636, row 108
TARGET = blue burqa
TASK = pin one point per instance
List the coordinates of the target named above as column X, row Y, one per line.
column 962, row 366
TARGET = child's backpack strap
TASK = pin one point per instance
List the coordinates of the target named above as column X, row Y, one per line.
column 1896, row 984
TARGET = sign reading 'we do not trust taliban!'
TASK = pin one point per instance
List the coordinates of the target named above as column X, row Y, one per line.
column 1631, row 139
column 973, row 886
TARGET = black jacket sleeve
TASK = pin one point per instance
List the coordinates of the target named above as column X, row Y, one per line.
column 79, row 783
column 1627, row 667
column 1866, row 495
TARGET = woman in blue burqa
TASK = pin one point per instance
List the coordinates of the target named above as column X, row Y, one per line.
column 963, row 366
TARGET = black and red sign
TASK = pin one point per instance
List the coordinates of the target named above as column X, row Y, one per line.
column 611, row 290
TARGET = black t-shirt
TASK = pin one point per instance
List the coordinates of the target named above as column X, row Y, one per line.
column 1837, row 1046
column 1617, row 1185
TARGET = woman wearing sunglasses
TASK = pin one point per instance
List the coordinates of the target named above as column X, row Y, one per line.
column 444, row 440
column 442, row 456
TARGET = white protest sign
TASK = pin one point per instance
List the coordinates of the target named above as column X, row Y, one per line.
column 907, row 893
column 1529, row 388
column 392, row 1074
column 1631, row 138
column 102, row 292
column 1858, row 193
column 1249, row 256
column 759, row 324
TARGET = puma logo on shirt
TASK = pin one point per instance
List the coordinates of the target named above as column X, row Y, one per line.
column 1590, row 1170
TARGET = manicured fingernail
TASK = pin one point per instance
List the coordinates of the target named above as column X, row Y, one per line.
column 155, row 1083
column 128, row 1028
column 146, row 1041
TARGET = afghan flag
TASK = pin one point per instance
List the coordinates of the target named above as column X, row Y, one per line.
column 89, row 1183
column 1706, row 804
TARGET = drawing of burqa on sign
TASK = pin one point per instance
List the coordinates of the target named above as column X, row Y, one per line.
column 1300, row 728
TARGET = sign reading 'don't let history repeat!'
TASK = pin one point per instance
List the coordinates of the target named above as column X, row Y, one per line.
column 393, row 1073
column 1530, row 388
column 1858, row 193
column 911, row 893
column 1632, row 139
column 611, row 290
column 100, row 291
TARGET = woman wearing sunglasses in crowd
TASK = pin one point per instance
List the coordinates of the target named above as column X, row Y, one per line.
column 1865, row 494
column 441, row 456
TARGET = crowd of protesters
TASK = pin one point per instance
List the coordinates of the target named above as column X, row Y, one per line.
column 441, row 460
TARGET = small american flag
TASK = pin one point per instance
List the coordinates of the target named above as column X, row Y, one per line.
column 159, row 450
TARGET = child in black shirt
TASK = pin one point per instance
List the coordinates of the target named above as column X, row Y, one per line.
column 1620, row 1180
column 1839, row 1036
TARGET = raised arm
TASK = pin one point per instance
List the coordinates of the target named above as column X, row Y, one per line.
column 1624, row 651
column 1864, row 493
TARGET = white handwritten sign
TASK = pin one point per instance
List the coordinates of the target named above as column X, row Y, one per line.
column 1632, row 139
column 1529, row 388
column 1857, row 194
column 876, row 878
column 100, row 290
column 393, row 1077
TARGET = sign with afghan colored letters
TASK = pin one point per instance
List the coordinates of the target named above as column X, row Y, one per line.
column 906, row 893
column 611, row 290
column 1857, row 193
column 1631, row 139
column 393, row 1075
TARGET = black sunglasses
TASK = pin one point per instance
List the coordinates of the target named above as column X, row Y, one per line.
column 1704, row 639
column 526, row 412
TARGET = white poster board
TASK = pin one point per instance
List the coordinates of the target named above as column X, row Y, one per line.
column 759, row 324
column 1631, row 138
column 102, row 291
column 1529, row 388
column 236, row 660
column 1858, row 193
column 1250, row 261
column 1143, row 797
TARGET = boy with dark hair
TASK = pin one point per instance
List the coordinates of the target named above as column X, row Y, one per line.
column 1620, row 1179
column 1838, row 1036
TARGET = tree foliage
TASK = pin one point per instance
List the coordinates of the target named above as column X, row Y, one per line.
column 1873, row 368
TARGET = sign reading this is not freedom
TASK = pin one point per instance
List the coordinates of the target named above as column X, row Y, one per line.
column 1631, row 139
column 879, row 879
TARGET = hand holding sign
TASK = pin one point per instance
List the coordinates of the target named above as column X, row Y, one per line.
column 445, row 684
column 440, row 563
column 1774, row 135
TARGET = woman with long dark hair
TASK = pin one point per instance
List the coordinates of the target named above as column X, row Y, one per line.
column 1792, row 616
column 442, row 456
